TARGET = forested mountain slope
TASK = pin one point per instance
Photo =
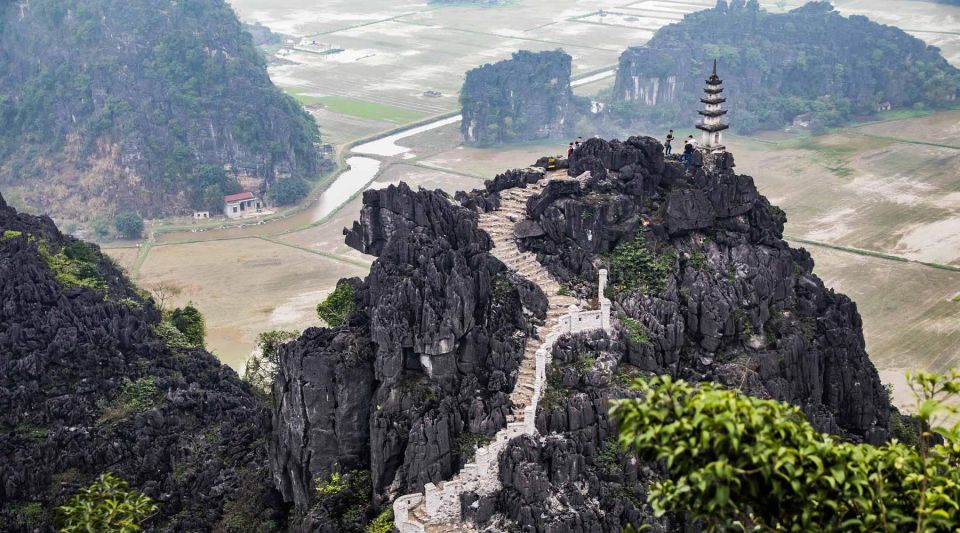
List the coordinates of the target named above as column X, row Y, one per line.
column 107, row 103
column 776, row 66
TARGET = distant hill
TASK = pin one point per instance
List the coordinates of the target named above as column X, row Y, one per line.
column 107, row 103
column 778, row 66
column 524, row 98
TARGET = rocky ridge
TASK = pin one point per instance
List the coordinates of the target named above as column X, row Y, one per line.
column 702, row 286
column 89, row 383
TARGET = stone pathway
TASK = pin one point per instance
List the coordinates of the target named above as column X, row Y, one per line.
column 437, row 510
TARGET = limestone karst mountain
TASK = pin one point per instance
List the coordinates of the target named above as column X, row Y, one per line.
column 143, row 105
column 423, row 372
column 779, row 66
column 524, row 98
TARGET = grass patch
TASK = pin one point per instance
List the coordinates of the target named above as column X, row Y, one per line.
column 635, row 267
column 137, row 397
column 636, row 331
column 11, row 234
column 361, row 108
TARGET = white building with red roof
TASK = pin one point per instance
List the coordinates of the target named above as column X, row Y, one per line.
column 242, row 204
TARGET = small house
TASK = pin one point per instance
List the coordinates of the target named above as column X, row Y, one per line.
column 241, row 204
column 200, row 215
column 803, row 120
column 884, row 106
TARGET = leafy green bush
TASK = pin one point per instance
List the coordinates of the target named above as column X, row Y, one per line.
column 171, row 336
column 337, row 307
column 743, row 464
column 106, row 505
column 288, row 191
column 135, row 398
column 77, row 264
column 11, row 234
column 129, row 225
column 634, row 267
column 635, row 330
column 189, row 321
column 347, row 497
column 383, row 523
column 32, row 515
column 468, row 443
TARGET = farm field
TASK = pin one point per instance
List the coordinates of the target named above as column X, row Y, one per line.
column 889, row 187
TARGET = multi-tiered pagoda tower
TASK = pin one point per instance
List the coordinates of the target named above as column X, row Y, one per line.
column 712, row 127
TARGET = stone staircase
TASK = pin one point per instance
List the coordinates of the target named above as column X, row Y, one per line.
column 437, row 509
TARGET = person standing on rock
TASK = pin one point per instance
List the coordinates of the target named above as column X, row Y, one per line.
column 691, row 141
column 570, row 151
column 687, row 156
column 579, row 142
column 668, row 146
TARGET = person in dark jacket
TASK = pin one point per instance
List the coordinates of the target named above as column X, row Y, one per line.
column 570, row 151
column 687, row 156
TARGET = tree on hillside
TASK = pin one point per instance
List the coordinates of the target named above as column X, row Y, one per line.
column 129, row 225
column 739, row 463
column 261, row 368
column 189, row 321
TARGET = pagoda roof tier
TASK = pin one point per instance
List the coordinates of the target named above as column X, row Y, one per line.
column 717, row 113
column 712, row 127
column 717, row 100
column 713, row 90
column 714, row 80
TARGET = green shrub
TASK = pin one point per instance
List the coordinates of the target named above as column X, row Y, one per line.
column 135, row 398
column 337, row 307
column 11, row 234
column 634, row 267
column 468, row 444
column 383, row 523
column 171, row 336
column 261, row 369
column 106, row 505
column 698, row 261
column 77, row 264
column 288, row 191
column 129, row 225
column 636, row 331
column 32, row 515
column 347, row 497
column 190, row 322
column 740, row 463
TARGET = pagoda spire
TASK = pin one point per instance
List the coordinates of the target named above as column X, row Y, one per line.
column 712, row 113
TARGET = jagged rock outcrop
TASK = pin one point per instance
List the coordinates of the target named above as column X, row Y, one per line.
column 424, row 365
column 525, row 98
column 703, row 288
column 190, row 437
column 779, row 66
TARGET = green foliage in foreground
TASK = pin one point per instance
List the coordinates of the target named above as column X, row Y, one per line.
column 743, row 464
column 106, row 505
column 635, row 267
column 335, row 309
